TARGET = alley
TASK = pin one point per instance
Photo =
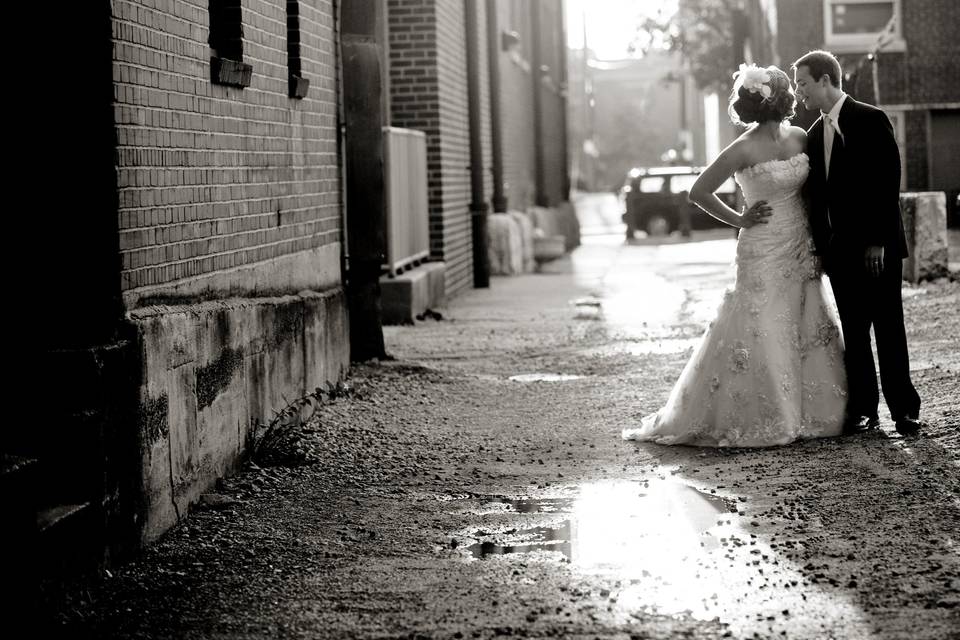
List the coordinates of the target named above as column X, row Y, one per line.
column 477, row 486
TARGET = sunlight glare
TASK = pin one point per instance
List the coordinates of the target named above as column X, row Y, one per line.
column 611, row 24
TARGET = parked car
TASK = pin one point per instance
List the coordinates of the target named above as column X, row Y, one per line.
column 655, row 201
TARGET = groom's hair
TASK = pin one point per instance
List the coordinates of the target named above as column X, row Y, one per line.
column 821, row 63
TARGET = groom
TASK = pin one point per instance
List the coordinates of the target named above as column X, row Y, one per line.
column 854, row 195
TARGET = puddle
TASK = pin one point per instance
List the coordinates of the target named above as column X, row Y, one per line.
column 607, row 521
column 588, row 309
column 646, row 347
column 544, row 377
column 534, row 505
column 527, row 540
column 665, row 548
column 658, row 537
column 585, row 303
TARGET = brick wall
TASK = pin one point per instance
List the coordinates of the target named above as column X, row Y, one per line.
column 215, row 179
column 516, row 110
column 485, row 120
column 916, row 77
column 428, row 91
column 933, row 51
column 916, row 150
column 554, row 160
column 553, row 107
column 414, row 90
column 799, row 30
column 454, row 153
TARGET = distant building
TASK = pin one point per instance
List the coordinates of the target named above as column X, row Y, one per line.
column 631, row 115
column 912, row 75
column 428, row 91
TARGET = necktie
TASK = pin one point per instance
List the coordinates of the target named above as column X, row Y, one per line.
column 828, row 132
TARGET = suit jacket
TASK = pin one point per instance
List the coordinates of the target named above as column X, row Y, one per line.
column 859, row 205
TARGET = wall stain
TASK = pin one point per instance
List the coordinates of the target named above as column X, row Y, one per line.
column 287, row 325
column 215, row 377
column 153, row 419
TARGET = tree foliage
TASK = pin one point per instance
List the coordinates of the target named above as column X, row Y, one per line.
column 703, row 32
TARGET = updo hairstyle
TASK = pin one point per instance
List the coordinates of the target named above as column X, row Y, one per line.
column 760, row 95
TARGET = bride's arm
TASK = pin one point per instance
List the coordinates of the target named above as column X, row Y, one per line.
column 702, row 193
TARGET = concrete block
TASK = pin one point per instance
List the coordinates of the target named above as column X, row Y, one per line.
column 504, row 245
column 548, row 248
column 525, row 225
column 546, row 220
column 925, row 225
column 405, row 296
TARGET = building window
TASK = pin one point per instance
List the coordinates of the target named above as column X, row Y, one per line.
column 226, row 44
column 855, row 26
column 298, row 84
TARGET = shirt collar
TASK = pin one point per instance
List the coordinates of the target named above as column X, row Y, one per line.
column 834, row 112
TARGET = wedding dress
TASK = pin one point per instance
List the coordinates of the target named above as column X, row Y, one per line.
column 769, row 369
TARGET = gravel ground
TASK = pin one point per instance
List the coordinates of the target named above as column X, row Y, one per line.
column 392, row 512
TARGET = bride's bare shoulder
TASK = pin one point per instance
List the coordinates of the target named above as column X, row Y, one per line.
column 743, row 144
column 797, row 133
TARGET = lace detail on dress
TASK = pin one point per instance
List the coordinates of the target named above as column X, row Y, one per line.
column 769, row 369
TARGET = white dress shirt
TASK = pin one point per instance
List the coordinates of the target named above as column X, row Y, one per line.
column 831, row 124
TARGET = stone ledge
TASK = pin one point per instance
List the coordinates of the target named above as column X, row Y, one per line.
column 925, row 226
column 214, row 370
column 405, row 296
column 231, row 73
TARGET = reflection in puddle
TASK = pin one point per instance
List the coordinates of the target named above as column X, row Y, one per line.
column 667, row 506
column 606, row 521
column 535, row 539
column 535, row 505
column 635, row 300
column 671, row 550
column 656, row 534
column 659, row 346
column 544, row 377
column 588, row 309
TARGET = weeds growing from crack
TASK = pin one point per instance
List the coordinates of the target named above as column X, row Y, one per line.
column 275, row 443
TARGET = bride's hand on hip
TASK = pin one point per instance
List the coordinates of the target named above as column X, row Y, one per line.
column 758, row 213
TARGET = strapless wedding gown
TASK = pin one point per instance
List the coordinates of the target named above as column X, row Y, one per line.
column 769, row 369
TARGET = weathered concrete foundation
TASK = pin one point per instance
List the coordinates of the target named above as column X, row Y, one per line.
column 214, row 370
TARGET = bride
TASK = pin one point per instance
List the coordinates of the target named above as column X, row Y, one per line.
column 769, row 369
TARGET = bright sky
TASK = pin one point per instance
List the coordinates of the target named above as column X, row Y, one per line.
column 611, row 24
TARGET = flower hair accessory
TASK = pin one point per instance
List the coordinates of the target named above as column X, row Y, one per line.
column 753, row 79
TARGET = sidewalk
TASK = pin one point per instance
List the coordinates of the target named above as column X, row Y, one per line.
column 443, row 496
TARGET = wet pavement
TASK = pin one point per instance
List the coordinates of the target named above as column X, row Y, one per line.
column 477, row 487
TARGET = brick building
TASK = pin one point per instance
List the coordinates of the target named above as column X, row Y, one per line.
column 428, row 90
column 228, row 185
column 211, row 230
column 193, row 225
column 914, row 66
column 897, row 54
column 636, row 117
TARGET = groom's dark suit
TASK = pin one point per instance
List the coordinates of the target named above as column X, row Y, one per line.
column 856, row 207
